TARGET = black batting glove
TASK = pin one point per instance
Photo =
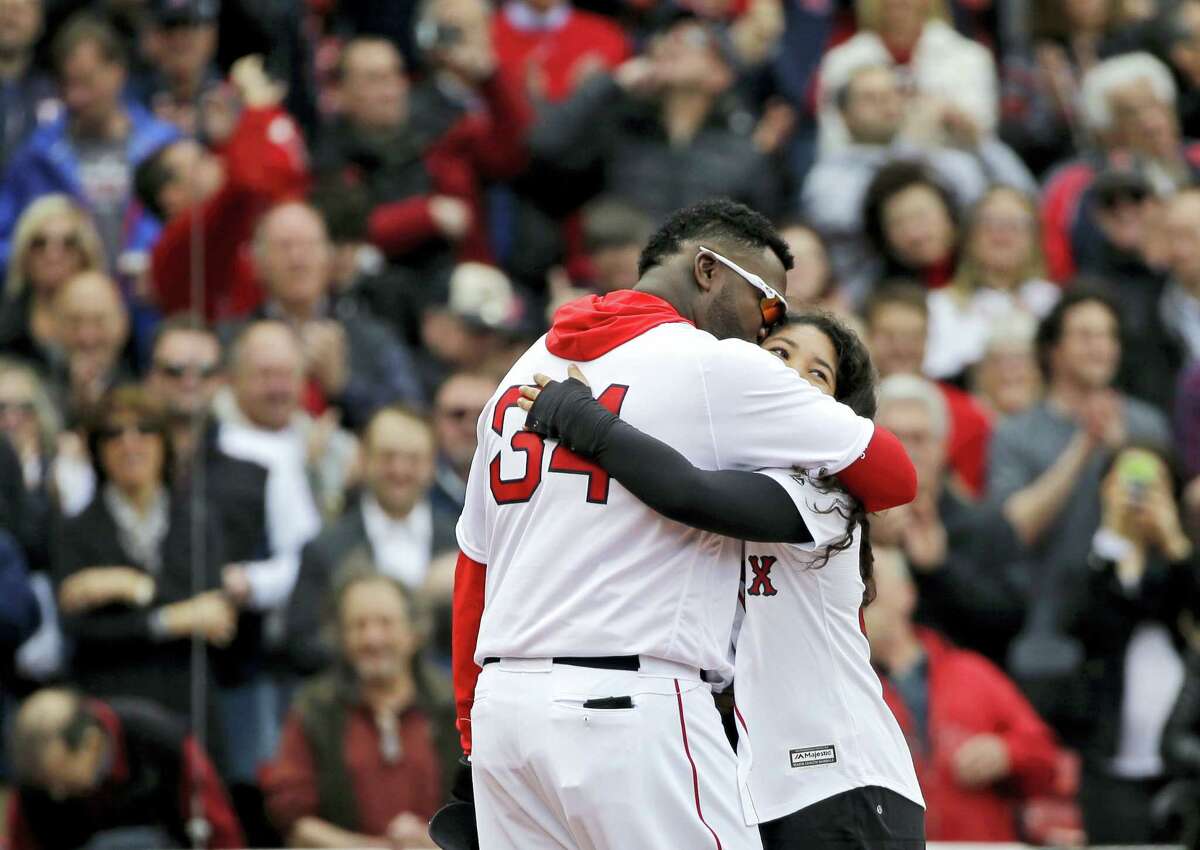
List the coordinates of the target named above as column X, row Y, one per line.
column 567, row 412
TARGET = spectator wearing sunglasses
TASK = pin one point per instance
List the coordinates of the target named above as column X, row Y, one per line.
column 457, row 406
column 124, row 567
column 54, row 240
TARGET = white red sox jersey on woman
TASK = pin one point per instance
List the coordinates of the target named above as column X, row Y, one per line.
column 576, row 567
column 813, row 722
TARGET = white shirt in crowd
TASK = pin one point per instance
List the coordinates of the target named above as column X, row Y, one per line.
column 575, row 564
column 959, row 328
column 402, row 548
column 810, row 706
column 292, row 515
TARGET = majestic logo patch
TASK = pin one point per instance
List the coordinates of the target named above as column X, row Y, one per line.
column 761, row 584
column 813, row 756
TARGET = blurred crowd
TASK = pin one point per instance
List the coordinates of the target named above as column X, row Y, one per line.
column 265, row 262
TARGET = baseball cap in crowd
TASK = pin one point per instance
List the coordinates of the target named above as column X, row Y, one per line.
column 182, row 13
column 483, row 296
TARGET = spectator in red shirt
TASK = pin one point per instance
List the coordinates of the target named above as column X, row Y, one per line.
column 368, row 748
column 549, row 46
column 978, row 745
column 261, row 162
column 111, row 774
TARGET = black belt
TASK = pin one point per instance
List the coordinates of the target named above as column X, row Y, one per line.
column 606, row 662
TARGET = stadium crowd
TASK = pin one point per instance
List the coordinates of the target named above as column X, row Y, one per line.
column 266, row 262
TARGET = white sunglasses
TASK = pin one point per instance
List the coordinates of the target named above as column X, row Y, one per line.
column 774, row 306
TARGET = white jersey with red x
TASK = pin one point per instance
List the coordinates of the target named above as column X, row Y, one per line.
column 813, row 722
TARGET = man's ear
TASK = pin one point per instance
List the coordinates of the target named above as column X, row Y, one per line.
column 704, row 268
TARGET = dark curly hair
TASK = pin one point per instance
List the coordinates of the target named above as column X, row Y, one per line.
column 856, row 384
column 891, row 180
column 716, row 219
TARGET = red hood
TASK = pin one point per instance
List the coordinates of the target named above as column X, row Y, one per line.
column 595, row 325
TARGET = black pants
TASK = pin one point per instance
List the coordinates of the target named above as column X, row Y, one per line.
column 862, row 819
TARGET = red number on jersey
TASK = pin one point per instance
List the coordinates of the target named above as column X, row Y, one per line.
column 533, row 446
column 565, row 460
column 519, row 489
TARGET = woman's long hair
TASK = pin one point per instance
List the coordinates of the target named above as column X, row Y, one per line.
column 856, row 388
column 968, row 275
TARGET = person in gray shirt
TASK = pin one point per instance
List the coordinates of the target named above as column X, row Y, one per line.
column 1045, row 464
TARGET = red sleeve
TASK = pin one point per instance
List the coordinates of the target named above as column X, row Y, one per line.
column 1032, row 749
column 967, row 442
column 468, row 611
column 266, row 155
column 290, row 781
column 401, row 226
column 19, row 836
column 265, row 163
column 199, row 774
column 1060, row 205
column 883, row 477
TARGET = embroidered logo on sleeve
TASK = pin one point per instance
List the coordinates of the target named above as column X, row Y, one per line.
column 813, row 756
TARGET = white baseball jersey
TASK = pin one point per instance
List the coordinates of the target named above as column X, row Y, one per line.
column 576, row 566
column 813, row 722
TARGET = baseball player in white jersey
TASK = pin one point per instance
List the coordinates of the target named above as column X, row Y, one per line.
column 584, row 623
column 822, row 763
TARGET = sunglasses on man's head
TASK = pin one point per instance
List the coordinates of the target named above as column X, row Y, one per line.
column 773, row 306
column 112, row 432
column 42, row 241
column 178, row 370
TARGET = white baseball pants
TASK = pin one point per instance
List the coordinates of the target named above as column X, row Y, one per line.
column 550, row 774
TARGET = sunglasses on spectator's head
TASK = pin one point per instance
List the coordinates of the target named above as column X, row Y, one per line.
column 176, row 371
column 25, row 407
column 774, row 306
column 112, row 432
column 42, row 241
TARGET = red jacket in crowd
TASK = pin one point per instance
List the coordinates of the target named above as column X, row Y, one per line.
column 265, row 163
column 969, row 696
column 483, row 144
column 549, row 54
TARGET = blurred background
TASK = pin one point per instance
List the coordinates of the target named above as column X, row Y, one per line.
column 265, row 261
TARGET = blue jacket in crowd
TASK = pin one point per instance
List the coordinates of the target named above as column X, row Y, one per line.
column 48, row 163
